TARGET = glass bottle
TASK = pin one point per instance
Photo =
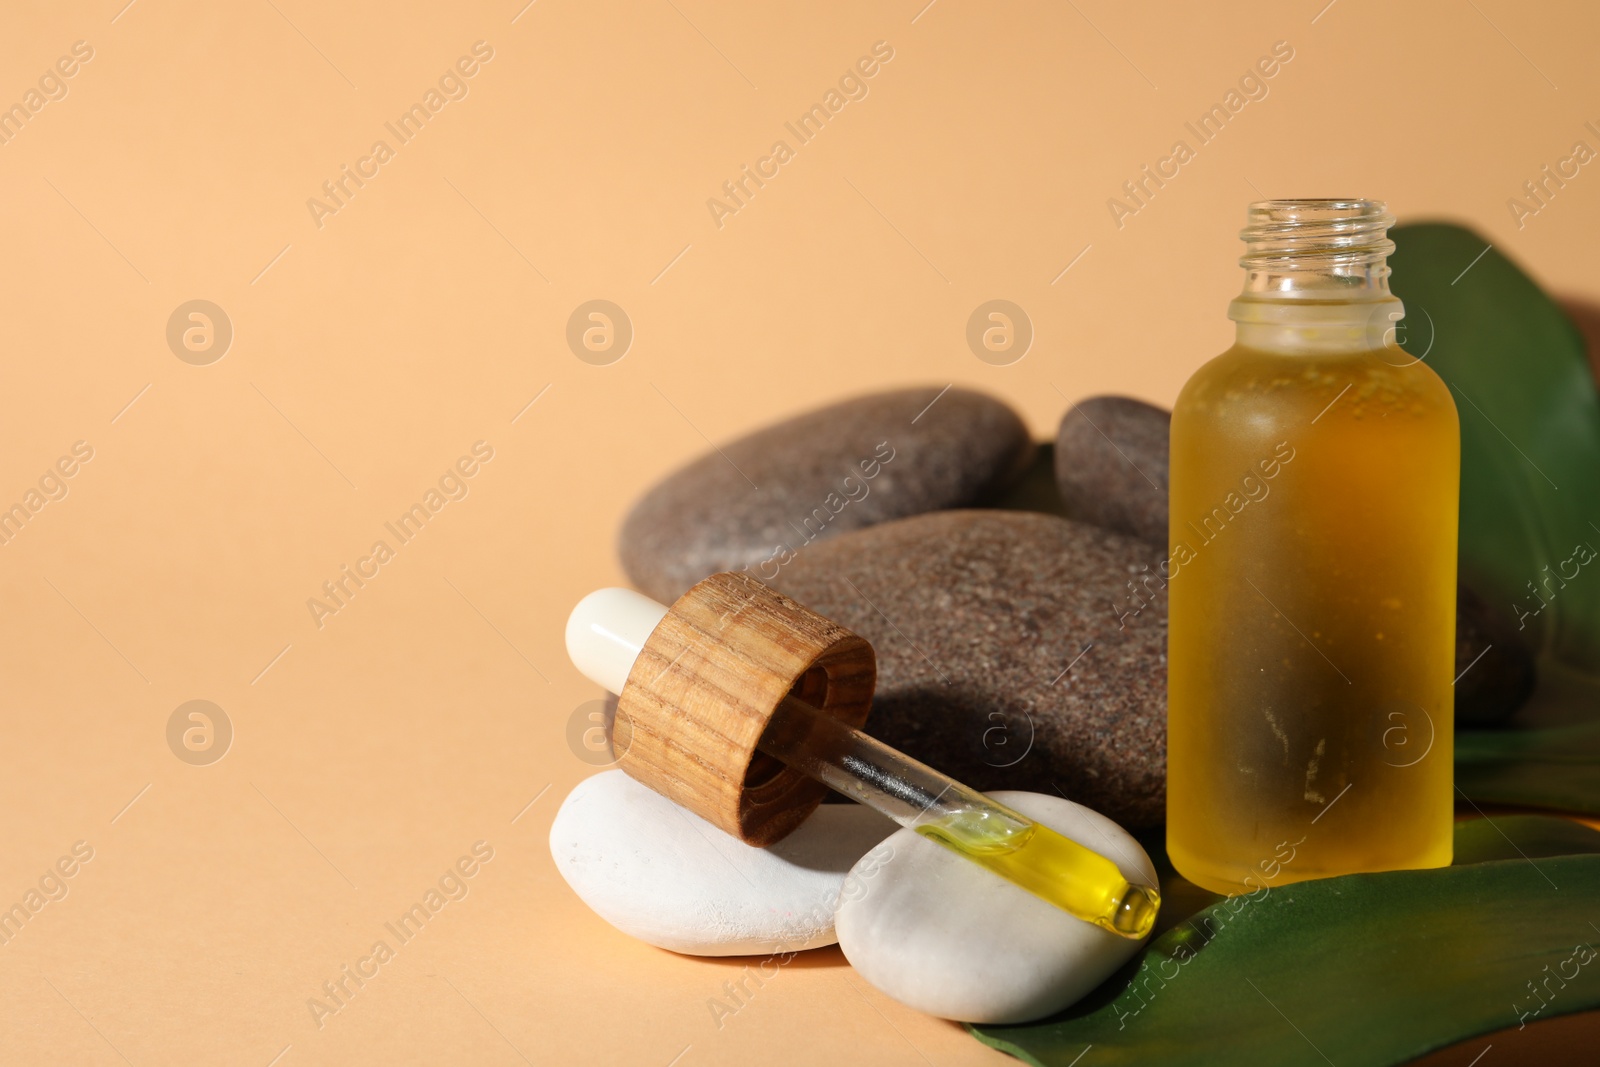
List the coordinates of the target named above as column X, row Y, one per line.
column 1312, row 576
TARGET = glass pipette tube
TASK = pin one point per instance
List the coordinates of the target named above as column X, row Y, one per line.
column 609, row 628
column 1075, row 879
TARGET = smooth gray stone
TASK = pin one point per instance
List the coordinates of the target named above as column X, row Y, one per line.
column 1111, row 465
column 777, row 492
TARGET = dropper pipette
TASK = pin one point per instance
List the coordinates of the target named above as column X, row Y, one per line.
column 605, row 635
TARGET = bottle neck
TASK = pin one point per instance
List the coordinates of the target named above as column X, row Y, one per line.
column 1316, row 277
column 1316, row 327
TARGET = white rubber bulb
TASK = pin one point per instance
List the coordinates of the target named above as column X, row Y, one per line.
column 606, row 632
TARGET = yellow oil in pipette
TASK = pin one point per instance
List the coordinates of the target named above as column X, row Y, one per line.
column 976, row 827
column 1051, row 867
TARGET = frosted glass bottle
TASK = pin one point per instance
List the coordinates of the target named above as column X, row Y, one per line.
column 1314, row 487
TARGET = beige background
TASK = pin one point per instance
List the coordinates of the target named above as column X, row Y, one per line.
column 431, row 309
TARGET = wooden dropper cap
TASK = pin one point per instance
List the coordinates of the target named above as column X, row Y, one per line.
column 706, row 683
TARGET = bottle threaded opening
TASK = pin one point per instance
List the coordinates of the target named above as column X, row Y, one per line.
column 1316, row 276
column 1294, row 235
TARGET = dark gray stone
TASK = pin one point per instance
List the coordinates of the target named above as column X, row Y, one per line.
column 1111, row 470
column 976, row 617
column 765, row 498
column 1494, row 667
column 1111, row 465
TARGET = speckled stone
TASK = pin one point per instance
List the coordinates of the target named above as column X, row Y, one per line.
column 976, row 617
column 1111, row 465
column 1111, row 449
column 787, row 489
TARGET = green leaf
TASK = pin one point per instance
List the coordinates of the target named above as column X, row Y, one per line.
column 1368, row 970
column 1529, row 837
column 1530, row 500
column 1530, row 432
column 1550, row 759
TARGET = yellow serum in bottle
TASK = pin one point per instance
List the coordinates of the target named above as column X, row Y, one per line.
column 1312, row 574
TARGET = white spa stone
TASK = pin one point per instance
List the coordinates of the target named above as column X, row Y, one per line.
column 666, row 876
column 942, row 935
